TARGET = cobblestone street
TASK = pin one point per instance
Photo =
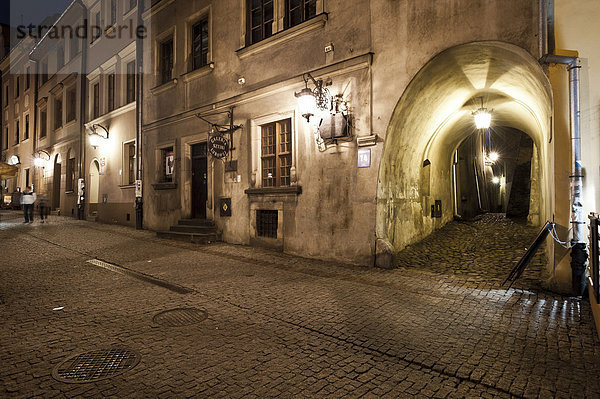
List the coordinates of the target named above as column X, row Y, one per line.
column 283, row 326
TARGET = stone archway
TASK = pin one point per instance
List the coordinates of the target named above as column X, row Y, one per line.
column 431, row 119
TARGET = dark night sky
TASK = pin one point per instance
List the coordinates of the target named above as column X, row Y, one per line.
column 17, row 12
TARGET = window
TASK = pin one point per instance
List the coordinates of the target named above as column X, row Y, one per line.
column 266, row 223
column 168, row 164
column 110, row 83
column 58, row 108
column 129, row 163
column 260, row 17
column 60, row 57
column 113, row 12
column 26, row 131
column 6, row 138
column 200, row 44
column 298, row 11
column 166, row 60
column 96, row 29
column 44, row 71
column 276, row 153
column 71, row 104
column 96, row 101
column 130, row 95
column 74, row 46
column 130, row 4
column 43, row 122
column 6, row 96
column 17, row 88
column 17, row 132
column 70, row 174
column 27, row 77
column 27, row 177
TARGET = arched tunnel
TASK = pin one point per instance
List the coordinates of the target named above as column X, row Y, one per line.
column 421, row 185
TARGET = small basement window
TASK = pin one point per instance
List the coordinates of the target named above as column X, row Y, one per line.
column 266, row 223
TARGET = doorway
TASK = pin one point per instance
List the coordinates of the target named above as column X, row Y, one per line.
column 94, row 186
column 56, row 183
column 199, row 180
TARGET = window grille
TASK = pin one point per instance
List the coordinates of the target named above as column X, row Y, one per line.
column 266, row 223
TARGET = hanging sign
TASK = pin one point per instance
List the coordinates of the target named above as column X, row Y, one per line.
column 218, row 146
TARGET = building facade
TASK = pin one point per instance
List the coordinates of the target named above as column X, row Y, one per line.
column 386, row 152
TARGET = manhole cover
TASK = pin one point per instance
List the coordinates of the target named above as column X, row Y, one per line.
column 95, row 365
column 180, row 317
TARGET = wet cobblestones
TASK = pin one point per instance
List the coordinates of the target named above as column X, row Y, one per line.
column 284, row 326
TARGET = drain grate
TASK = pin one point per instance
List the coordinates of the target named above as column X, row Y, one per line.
column 95, row 365
column 180, row 317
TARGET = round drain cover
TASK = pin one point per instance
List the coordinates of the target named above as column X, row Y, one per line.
column 95, row 365
column 180, row 317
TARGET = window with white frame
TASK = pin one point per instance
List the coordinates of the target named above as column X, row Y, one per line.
column 60, row 56
column 166, row 60
column 129, row 162
column 58, row 111
column 130, row 82
column 17, row 138
column 199, row 40
column 95, row 100
column 43, row 122
column 71, row 99
column 110, row 91
column 26, row 130
column 276, row 153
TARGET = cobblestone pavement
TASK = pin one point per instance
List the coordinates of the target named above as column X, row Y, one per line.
column 283, row 326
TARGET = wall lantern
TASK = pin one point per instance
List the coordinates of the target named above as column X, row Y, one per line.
column 40, row 159
column 495, row 180
column 14, row 160
column 482, row 116
column 312, row 100
column 98, row 135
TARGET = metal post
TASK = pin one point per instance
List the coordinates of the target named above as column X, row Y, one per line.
column 139, row 43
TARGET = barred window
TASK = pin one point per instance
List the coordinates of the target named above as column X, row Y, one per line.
column 276, row 153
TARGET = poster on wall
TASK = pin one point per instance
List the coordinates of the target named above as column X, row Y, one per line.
column 169, row 164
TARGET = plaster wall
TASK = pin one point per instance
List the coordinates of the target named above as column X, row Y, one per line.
column 335, row 215
column 571, row 39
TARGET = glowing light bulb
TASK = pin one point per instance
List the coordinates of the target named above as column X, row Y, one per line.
column 493, row 156
column 495, row 180
column 482, row 118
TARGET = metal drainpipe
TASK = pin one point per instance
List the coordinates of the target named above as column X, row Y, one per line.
column 139, row 43
column 578, row 251
column 82, row 102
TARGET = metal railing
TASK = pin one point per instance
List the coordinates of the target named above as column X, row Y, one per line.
column 594, row 254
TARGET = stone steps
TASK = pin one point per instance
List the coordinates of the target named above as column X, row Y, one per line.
column 198, row 231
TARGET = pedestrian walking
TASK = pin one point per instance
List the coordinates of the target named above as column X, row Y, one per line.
column 43, row 206
column 28, row 198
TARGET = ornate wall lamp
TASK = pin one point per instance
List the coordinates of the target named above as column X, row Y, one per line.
column 98, row 135
column 311, row 100
column 40, row 159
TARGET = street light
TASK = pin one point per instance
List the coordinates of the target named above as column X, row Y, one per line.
column 41, row 157
column 495, row 180
column 310, row 101
column 483, row 117
column 97, row 136
column 493, row 156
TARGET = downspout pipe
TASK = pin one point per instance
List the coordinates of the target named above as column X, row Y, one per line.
column 82, row 102
column 578, row 244
column 139, row 96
